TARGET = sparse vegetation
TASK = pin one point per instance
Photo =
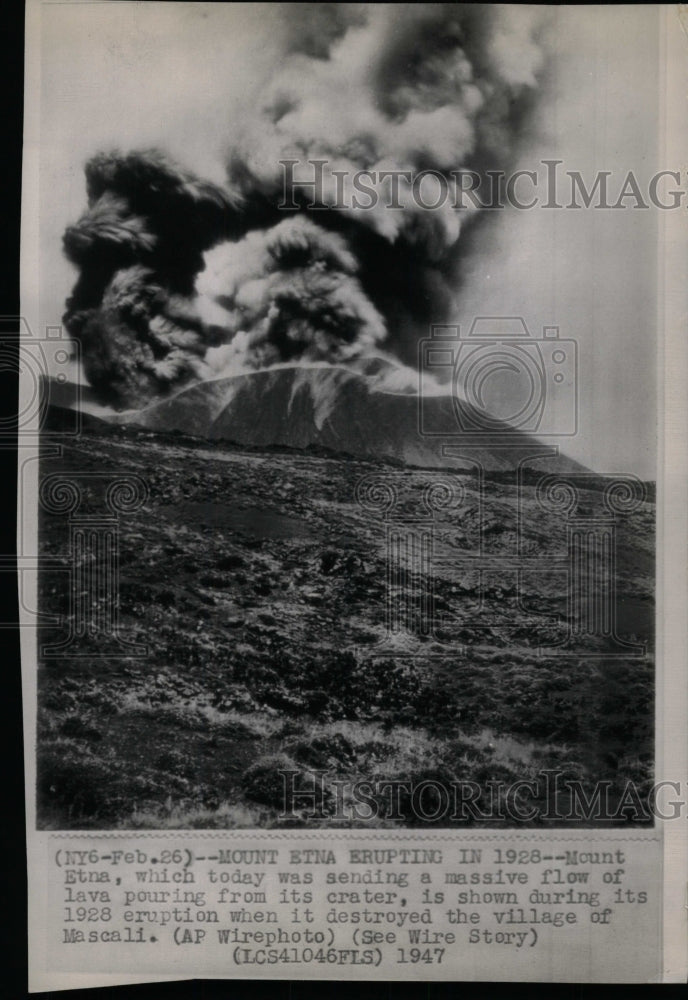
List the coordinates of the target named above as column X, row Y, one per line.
column 262, row 653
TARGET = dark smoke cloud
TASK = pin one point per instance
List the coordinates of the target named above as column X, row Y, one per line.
column 141, row 206
column 446, row 87
column 142, row 341
column 312, row 28
column 139, row 248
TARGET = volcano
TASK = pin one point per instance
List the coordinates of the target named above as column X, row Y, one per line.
column 369, row 409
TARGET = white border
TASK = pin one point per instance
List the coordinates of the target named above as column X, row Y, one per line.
column 672, row 483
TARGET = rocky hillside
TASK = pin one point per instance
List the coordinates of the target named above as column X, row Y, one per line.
column 258, row 581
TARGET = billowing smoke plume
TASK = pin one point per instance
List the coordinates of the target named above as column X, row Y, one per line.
column 181, row 280
column 139, row 247
column 291, row 292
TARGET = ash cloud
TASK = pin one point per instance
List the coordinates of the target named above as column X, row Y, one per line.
column 182, row 280
column 139, row 247
column 292, row 293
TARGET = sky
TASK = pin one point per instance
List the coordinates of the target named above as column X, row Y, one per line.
column 184, row 76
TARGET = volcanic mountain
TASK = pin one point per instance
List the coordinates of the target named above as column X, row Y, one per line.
column 368, row 409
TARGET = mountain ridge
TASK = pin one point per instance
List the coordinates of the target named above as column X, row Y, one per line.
column 370, row 410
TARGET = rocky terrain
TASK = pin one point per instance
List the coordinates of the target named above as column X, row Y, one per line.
column 258, row 579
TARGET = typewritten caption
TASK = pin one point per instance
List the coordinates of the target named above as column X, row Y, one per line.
column 423, row 909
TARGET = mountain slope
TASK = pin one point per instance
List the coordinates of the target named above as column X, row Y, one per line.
column 369, row 412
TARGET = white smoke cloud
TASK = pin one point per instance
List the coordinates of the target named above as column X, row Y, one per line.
column 288, row 292
column 403, row 87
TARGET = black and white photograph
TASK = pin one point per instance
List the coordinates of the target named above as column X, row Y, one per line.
column 344, row 428
column 359, row 497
